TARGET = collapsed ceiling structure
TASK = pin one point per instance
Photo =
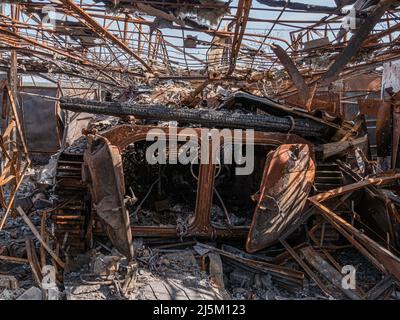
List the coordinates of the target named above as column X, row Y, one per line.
column 84, row 84
column 129, row 43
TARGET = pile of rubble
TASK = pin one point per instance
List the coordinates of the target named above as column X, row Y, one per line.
column 315, row 220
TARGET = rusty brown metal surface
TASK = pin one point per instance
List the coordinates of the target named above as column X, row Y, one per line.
column 371, row 82
column 288, row 177
column 106, row 183
column 124, row 135
column 101, row 31
column 200, row 225
column 369, row 107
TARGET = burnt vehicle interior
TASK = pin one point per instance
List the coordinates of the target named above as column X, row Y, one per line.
column 166, row 192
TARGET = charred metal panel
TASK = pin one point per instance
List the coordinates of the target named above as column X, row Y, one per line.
column 106, row 182
column 288, row 177
column 40, row 122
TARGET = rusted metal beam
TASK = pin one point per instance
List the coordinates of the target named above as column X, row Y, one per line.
column 299, row 6
column 396, row 134
column 353, row 187
column 199, row 89
column 382, row 258
column 383, row 132
column 278, row 273
column 242, row 17
column 306, row 268
column 329, row 272
column 39, row 237
column 72, row 58
column 379, row 288
column 12, row 158
column 14, row 260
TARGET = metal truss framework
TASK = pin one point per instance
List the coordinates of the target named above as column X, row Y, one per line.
column 126, row 43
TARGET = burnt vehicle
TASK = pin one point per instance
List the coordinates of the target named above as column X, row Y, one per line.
column 109, row 187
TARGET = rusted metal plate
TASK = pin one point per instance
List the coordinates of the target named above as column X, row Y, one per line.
column 288, row 177
column 106, row 182
column 123, row 135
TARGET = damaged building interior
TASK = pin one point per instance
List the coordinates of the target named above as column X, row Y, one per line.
column 306, row 91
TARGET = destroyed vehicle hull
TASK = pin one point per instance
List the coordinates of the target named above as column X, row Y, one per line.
column 107, row 191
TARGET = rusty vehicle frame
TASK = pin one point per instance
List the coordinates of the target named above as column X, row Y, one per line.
column 200, row 225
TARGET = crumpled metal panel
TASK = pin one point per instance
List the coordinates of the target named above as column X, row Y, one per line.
column 288, row 177
column 106, row 182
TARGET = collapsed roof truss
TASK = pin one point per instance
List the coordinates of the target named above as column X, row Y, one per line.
column 128, row 42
